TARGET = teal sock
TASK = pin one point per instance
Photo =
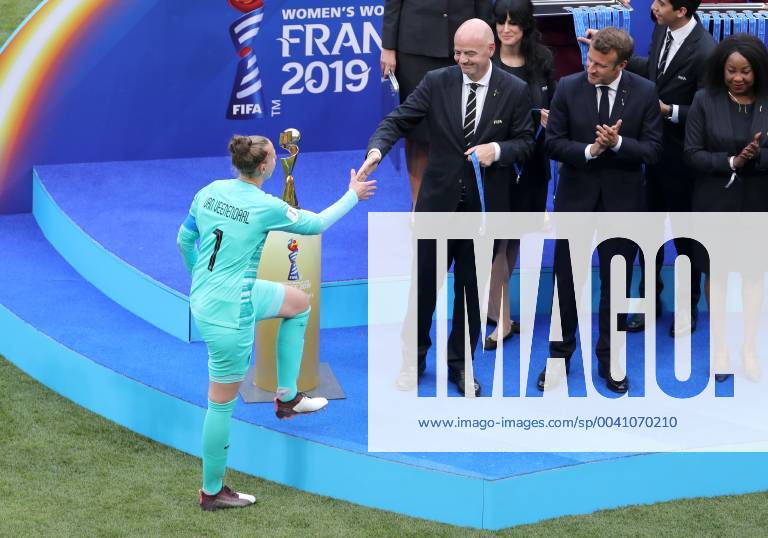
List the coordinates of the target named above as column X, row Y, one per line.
column 290, row 348
column 216, row 444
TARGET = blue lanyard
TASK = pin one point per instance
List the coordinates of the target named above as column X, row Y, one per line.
column 478, row 179
column 626, row 19
column 580, row 27
column 716, row 26
column 592, row 13
column 752, row 22
column 726, row 24
column 705, row 20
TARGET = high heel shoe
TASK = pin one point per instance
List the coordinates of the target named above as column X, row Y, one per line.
column 751, row 365
column 721, row 363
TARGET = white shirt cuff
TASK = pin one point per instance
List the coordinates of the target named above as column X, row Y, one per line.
column 675, row 118
column 373, row 150
column 588, row 153
column 730, row 163
column 617, row 147
column 497, row 151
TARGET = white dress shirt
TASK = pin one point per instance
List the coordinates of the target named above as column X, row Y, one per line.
column 678, row 38
column 480, row 94
column 613, row 88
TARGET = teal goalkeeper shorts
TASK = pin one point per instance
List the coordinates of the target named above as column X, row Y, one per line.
column 229, row 350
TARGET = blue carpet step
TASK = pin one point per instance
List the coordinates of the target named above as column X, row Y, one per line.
column 121, row 236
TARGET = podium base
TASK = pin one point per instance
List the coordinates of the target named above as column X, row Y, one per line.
column 328, row 388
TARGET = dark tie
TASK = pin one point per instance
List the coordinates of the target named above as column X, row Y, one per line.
column 604, row 110
column 663, row 60
column 469, row 116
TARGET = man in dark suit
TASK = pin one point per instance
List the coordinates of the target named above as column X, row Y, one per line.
column 676, row 62
column 469, row 107
column 417, row 37
column 604, row 125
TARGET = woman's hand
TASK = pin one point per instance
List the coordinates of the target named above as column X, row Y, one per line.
column 387, row 62
column 363, row 189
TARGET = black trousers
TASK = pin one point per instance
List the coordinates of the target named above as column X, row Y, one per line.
column 670, row 188
column 462, row 256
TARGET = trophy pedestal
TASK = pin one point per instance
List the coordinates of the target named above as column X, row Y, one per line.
column 328, row 388
column 293, row 260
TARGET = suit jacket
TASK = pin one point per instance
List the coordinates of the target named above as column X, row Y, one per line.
column 505, row 119
column 615, row 178
column 710, row 141
column 683, row 76
column 427, row 27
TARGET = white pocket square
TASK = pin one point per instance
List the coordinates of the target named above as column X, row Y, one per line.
column 498, row 122
column 681, row 77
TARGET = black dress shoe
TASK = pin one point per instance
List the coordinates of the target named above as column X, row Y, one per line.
column 619, row 387
column 636, row 322
column 457, row 377
column 541, row 381
column 685, row 331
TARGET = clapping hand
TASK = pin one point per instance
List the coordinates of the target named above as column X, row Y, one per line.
column 750, row 151
column 608, row 135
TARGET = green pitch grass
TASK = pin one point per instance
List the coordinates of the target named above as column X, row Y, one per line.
column 67, row 472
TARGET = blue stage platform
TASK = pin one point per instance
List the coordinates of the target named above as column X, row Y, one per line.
column 93, row 304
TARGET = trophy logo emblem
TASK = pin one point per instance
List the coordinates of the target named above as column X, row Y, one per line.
column 289, row 140
column 246, row 101
column 293, row 252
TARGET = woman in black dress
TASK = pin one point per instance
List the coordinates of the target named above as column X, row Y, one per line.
column 725, row 143
column 520, row 51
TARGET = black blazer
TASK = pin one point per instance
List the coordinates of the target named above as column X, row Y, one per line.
column 615, row 178
column 506, row 119
column 427, row 27
column 683, row 77
column 710, row 141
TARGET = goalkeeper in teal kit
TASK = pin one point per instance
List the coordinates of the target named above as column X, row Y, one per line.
column 229, row 220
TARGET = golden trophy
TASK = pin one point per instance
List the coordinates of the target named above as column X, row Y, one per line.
column 294, row 260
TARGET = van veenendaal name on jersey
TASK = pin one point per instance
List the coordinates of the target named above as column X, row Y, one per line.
column 229, row 211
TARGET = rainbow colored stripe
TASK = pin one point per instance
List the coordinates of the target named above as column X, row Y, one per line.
column 27, row 63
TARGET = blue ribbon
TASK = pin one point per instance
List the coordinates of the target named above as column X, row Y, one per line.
column 580, row 27
column 726, row 24
column 741, row 22
column 626, row 19
column 761, row 26
column 592, row 14
column 752, row 22
column 716, row 26
column 705, row 20
column 601, row 14
column 478, row 179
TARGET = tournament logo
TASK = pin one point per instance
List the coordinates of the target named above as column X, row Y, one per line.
column 246, row 101
column 293, row 252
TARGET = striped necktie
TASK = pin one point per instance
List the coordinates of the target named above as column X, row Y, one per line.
column 469, row 116
column 663, row 61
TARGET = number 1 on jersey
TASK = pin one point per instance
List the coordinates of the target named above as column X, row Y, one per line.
column 219, row 234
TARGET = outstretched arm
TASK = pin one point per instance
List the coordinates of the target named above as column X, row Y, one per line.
column 308, row 223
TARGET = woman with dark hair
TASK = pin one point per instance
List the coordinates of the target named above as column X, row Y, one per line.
column 221, row 242
column 725, row 144
column 519, row 51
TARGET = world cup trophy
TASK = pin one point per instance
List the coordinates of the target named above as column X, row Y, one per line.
column 315, row 378
column 289, row 140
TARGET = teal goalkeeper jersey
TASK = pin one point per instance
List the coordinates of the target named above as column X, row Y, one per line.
column 230, row 219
